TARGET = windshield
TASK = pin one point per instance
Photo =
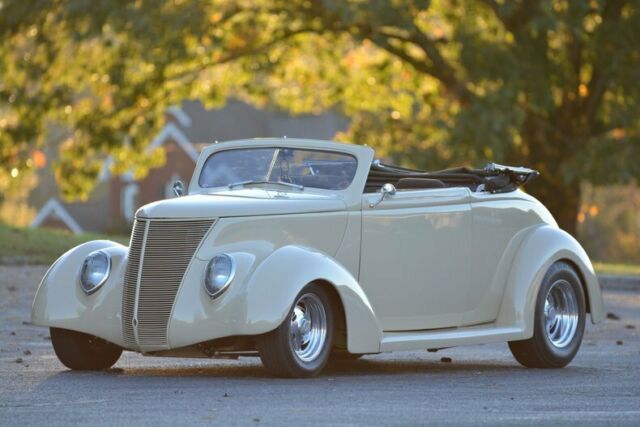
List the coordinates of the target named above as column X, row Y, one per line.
column 307, row 168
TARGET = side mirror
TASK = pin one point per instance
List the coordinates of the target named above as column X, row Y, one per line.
column 178, row 188
column 387, row 190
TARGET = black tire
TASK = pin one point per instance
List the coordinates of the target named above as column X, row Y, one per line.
column 539, row 351
column 83, row 352
column 277, row 352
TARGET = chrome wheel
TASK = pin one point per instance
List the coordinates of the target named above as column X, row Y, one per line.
column 561, row 313
column 308, row 327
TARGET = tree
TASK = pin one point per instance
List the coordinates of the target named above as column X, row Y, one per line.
column 547, row 84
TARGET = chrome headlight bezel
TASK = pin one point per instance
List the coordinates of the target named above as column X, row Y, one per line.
column 105, row 274
column 228, row 277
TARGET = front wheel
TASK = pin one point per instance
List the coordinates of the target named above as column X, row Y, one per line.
column 83, row 352
column 301, row 345
column 559, row 321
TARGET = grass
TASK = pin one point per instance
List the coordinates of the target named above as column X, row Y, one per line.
column 42, row 245
column 617, row 269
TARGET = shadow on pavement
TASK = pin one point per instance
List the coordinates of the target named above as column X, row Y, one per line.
column 360, row 368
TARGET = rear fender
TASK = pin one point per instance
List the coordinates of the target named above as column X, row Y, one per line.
column 543, row 246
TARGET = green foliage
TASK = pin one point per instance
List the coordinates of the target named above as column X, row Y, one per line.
column 609, row 224
column 42, row 245
column 550, row 84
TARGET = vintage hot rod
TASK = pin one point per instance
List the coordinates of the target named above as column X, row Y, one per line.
column 300, row 251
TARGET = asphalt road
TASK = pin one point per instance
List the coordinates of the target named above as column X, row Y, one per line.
column 482, row 385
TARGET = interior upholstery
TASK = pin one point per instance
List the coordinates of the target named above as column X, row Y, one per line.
column 456, row 177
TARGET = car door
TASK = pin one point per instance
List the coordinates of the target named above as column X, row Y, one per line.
column 415, row 257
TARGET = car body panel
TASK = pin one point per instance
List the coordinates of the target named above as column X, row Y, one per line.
column 499, row 224
column 61, row 303
column 416, row 269
column 237, row 203
column 415, row 252
column 542, row 246
column 263, row 298
column 451, row 337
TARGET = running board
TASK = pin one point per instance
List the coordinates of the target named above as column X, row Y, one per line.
column 417, row 340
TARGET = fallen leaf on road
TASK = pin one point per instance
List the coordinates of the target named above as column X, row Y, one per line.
column 613, row 316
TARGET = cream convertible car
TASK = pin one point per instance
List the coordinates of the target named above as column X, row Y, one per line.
column 300, row 251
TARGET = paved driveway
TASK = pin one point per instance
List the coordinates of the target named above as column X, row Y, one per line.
column 482, row 385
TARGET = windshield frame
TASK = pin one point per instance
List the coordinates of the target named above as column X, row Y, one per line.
column 277, row 147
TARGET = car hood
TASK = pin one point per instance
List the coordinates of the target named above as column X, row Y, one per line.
column 249, row 202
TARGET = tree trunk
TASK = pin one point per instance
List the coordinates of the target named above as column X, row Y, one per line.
column 549, row 154
column 562, row 200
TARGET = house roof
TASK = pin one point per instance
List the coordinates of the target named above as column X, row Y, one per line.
column 55, row 208
column 172, row 132
column 192, row 127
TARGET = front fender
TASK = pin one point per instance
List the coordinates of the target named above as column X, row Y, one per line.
column 543, row 246
column 261, row 299
column 59, row 301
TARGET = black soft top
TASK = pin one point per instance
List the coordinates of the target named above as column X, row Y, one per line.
column 493, row 178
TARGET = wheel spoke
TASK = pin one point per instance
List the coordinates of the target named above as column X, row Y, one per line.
column 295, row 337
column 561, row 313
column 308, row 328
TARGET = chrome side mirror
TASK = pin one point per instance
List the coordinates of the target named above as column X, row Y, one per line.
column 387, row 190
column 178, row 188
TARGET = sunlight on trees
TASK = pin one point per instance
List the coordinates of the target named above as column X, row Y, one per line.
column 551, row 85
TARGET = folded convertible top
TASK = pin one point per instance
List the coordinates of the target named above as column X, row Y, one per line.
column 494, row 178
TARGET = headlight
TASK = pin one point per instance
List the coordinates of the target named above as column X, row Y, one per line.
column 95, row 271
column 219, row 274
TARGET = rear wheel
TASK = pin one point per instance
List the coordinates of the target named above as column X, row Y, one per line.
column 79, row 351
column 559, row 321
column 301, row 345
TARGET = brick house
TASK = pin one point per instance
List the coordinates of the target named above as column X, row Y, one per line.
column 188, row 129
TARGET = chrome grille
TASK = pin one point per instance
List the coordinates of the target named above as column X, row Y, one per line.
column 130, row 283
column 167, row 249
